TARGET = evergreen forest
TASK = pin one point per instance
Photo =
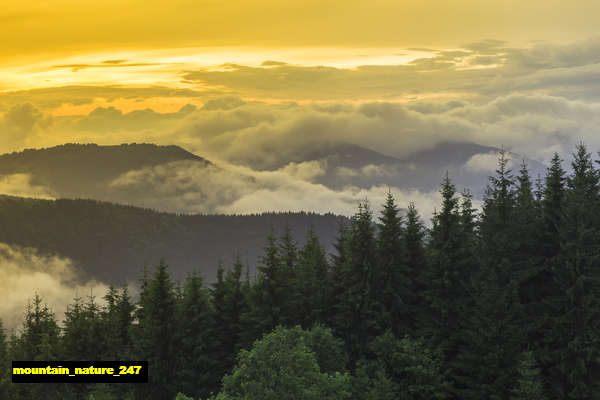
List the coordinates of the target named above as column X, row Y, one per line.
column 498, row 303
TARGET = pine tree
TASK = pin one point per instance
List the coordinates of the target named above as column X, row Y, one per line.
column 5, row 366
column 355, row 318
column 577, row 270
column 39, row 341
column 156, row 332
column 552, row 204
column 542, row 332
column 83, row 331
column 195, row 373
column 270, row 296
column 414, row 244
column 288, row 252
column 312, row 283
column 529, row 385
column 446, row 275
column 393, row 281
column 338, row 266
column 491, row 332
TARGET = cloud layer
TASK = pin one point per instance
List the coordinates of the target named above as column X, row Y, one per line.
column 271, row 127
column 24, row 272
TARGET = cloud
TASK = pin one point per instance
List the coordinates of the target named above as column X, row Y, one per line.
column 53, row 97
column 185, row 186
column 483, row 162
column 26, row 117
column 24, row 272
column 20, row 185
column 223, row 103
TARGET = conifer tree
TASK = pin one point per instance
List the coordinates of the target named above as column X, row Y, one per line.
column 338, row 266
column 552, row 204
column 356, row 316
column 156, row 332
column 5, row 365
column 414, row 244
column 312, row 283
column 577, row 270
column 529, row 384
column 393, row 281
column 230, row 307
column 448, row 277
column 491, row 332
column 38, row 341
column 236, row 304
column 270, row 287
column 288, row 251
column 195, row 375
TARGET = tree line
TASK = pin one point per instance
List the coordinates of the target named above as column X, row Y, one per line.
column 501, row 303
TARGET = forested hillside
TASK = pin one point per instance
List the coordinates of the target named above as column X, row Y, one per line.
column 112, row 243
column 85, row 170
column 498, row 304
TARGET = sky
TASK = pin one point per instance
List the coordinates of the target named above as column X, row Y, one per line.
column 251, row 84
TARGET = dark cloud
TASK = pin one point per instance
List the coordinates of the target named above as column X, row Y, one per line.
column 78, row 67
column 47, row 98
column 26, row 117
column 223, row 103
column 271, row 63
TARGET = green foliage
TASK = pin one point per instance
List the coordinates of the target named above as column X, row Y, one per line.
column 181, row 396
column 281, row 366
column 577, row 273
column 393, row 281
column 194, row 340
column 156, row 333
column 529, row 385
column 400, row 369
column 357, row 308
column 311, row 286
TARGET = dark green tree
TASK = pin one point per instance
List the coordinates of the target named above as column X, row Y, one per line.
column 282, row 366
column 491, row 326
column 529, row 384
column 414, row 244
column 270, row 289
column 356, row 311
column 312, row 283
column 393, row 283
column 155, row 334
column 577, row 270
column 195, row 373
column 448, row 273
column 400, row 369
column 288, row 251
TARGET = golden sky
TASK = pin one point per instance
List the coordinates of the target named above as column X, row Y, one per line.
column 122, row 70
column 47, row 28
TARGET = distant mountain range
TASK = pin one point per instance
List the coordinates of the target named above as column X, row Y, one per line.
column 87, row 170
column 353, row 165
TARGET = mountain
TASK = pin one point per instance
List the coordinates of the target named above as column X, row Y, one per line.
column 84, row 170
column 112, row 243
column 162, row 177
column 468, row 164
